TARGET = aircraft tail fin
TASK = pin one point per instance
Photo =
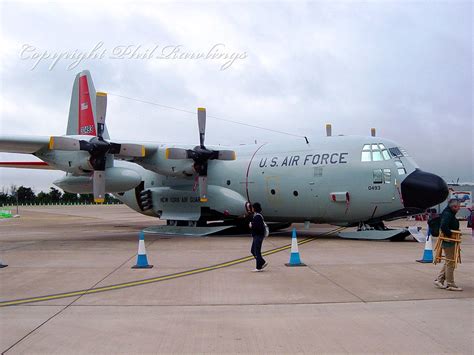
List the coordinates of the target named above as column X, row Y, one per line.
column 82, row 109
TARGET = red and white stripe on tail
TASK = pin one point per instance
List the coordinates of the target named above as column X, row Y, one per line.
column 86, row 123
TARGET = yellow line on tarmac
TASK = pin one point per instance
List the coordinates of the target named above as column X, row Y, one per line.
column 154, row 279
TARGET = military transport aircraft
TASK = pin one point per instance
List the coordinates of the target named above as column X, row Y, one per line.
column 340, row 180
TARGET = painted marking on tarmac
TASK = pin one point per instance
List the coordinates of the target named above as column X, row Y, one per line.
column 159, row 278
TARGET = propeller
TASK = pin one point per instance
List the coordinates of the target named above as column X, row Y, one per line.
column 98, row 148
column 200, row 155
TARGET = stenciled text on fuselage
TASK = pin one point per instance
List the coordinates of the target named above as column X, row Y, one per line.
column 302, row 160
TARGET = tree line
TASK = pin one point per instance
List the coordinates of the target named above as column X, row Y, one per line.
column 24, row 195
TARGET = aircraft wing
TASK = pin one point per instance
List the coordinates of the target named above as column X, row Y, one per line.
column 26, row 165
column 31, row 144
column 23, row 144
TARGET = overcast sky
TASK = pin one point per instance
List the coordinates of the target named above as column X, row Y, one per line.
column 402, row 67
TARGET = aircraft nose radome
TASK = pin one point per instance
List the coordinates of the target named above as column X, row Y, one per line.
column 422, row 190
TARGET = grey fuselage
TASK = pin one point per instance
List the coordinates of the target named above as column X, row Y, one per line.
column 323, row 181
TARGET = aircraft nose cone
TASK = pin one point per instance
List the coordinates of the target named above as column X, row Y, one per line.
column 423, row 190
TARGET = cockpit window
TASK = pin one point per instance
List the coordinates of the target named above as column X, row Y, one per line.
column 366, row 156
column 374, row 152
column 377, row 155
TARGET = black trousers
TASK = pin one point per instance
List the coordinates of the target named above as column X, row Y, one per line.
column 257, row 251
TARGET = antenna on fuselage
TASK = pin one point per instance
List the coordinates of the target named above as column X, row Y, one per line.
column 328, row 130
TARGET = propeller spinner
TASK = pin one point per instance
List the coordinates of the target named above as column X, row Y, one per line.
column 200, row 155
column 98, row 148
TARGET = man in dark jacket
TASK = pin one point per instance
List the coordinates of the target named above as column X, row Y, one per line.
column 258, row 233
column 448, row 223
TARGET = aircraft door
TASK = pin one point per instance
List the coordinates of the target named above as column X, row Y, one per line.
column 316, row 190
column 315, row 201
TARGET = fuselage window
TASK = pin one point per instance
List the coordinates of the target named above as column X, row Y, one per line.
column 378, row 176
column 387, row 176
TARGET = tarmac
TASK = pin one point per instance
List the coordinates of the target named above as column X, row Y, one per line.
column 201, row 296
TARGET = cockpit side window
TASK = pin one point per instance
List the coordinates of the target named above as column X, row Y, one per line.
column 396, row 152
column 387, row 176
column 378, row 176
column 400, row 168
column 382, row 176
column 404, row 152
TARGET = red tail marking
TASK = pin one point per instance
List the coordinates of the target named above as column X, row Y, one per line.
column 86, row 117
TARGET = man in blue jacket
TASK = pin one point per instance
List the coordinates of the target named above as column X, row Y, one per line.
column 258, row 233
column 448, row 223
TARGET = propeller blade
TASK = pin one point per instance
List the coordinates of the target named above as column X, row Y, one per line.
column 101, row 110
column 202, row 125
column 226, row 155
column 64, row 143
column 202, row 180
column 176, row 153
column 98, row 183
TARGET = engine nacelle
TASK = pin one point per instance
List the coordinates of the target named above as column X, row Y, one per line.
column 71, row 162
column 117, row 179
column 168, row 167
